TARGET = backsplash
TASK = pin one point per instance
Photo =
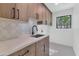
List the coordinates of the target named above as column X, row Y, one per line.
column 11, row 28
column 43, row 29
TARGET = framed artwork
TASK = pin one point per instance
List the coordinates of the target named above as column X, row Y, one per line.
column 63, row 22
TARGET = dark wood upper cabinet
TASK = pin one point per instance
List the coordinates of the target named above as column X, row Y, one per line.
column 45, row 15
column 7, row 10
column 21, row 11
column 25, row 11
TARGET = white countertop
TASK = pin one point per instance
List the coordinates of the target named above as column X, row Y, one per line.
column 8, row 47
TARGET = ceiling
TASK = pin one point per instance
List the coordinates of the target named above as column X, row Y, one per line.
column 60, row 6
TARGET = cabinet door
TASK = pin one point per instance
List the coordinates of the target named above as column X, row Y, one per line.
column 49, row 18
column 43, row 14
column 31, row 10
column 46, row 43
column 46, row 19
column 40, row 9
column 35, row 11
column 40, row 48
column 21, row 11
column 7, row 10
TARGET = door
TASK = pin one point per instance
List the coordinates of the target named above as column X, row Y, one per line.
column 7, row 10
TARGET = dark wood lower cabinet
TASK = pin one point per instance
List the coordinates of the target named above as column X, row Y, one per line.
column 40, row 48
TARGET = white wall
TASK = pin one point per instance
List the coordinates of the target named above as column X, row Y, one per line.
column 76, row 29
column 61, row 36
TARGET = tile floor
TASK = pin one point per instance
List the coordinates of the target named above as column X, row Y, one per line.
column 60, row 50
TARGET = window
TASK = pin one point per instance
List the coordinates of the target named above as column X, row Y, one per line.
column 63, row 22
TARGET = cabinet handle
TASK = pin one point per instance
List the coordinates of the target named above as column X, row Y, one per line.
column 18, row 13
column 44, row 48
column 13, row 9
column 25, row 52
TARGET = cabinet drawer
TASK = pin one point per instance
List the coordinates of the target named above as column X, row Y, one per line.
column 27, row 51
